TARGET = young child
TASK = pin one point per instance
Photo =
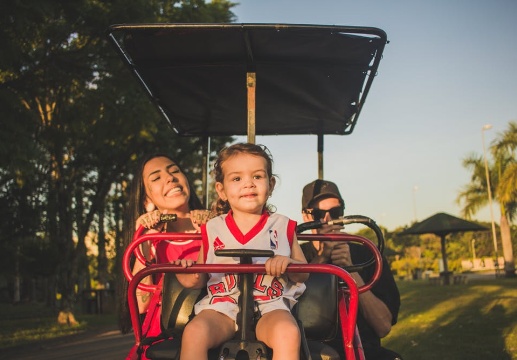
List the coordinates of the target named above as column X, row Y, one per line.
column 244, row 181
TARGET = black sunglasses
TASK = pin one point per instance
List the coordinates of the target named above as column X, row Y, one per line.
column 335, row 212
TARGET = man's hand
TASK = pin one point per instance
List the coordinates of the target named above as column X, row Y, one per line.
column 340, row 254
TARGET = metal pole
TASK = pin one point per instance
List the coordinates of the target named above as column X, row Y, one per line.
column 494, row 236
column 251, row 83
column 320, row 156
column 415, row 188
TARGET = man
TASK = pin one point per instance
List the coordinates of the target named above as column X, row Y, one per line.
column 379, row 307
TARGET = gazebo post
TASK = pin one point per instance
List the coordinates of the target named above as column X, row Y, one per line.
column 446, row 280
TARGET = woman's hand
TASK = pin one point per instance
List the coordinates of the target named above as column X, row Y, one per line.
column 200, row 217
column 184, row 263
column 194, row 280
column 151, row 221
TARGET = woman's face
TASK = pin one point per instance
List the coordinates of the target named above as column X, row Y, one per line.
column 165, row 185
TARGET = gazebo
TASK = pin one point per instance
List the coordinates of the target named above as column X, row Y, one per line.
column 442, row 224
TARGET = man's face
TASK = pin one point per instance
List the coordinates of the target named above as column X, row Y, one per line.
column 325, row 204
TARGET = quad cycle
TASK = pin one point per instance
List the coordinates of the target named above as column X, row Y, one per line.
column 254, row 79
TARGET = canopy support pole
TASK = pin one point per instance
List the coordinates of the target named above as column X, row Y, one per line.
column 206, row 155
column 320, row 156
column 251, row 83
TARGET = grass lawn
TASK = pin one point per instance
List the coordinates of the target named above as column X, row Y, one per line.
column 30, row 323
column 477, row 320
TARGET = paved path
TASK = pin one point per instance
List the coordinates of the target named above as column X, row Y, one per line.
column 107, row 345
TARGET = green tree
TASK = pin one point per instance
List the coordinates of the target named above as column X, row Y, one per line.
column 502, row 172
column 504, row 150
column 75, row 122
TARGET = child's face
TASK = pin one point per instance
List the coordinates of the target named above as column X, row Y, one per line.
column 246, row 184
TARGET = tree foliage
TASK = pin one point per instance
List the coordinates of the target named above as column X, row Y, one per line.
column 503, row 184
column 74, row 124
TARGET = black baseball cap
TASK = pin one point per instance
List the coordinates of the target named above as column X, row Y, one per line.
column 319, row 190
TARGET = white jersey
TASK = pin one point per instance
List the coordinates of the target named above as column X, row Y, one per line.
column 272, row 232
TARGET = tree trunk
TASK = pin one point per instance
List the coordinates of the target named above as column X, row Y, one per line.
column 102, row 261
column 67, row 269
column 16, row 296
column 506, row 239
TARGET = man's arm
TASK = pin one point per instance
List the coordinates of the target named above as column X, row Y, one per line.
column 374, row 310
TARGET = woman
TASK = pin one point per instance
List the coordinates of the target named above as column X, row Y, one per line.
column 159, row 187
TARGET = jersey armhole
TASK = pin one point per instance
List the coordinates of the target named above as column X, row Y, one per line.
column 291, row 228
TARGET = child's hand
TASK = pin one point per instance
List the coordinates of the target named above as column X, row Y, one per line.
column 277, row 265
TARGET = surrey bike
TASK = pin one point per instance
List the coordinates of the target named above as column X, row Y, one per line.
column 211, row 80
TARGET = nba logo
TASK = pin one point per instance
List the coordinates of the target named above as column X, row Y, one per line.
column 273, row 239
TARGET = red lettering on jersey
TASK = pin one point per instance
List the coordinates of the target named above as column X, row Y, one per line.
column 217, row 288
column 276, row 289
column 258, row 284
column 231, row 280
column 218, row 299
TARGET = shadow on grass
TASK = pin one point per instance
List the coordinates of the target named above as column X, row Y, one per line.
column 456, row 322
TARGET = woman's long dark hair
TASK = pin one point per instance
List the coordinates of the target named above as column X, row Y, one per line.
column 135, row 209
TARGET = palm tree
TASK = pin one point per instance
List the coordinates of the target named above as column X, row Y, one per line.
column 503, row 184
column 504, row 151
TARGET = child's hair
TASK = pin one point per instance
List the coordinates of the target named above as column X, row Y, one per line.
column 221, row 206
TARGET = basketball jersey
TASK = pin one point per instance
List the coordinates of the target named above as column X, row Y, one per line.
column 272, row 232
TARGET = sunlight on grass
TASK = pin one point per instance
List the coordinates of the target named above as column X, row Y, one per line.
column 511, row 340
column 28, row 323
column 39, row 329
column 456, row 322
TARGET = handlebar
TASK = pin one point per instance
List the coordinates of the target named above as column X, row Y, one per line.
column 346, row 220
column 251, row 268
column 134, row 247
column 376, row 258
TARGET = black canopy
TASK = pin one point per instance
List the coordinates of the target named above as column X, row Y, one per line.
column 309, row 79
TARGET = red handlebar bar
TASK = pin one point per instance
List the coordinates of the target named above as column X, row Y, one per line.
column 154, row 238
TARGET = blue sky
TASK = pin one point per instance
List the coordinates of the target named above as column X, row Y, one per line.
column 449, row 69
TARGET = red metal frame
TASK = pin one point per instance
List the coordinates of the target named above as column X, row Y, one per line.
column 348, row 296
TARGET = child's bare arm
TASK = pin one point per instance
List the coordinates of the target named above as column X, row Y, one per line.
column 297, row 257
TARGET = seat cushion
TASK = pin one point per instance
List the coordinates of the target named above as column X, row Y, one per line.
column 320, row 351
column 317, row 308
